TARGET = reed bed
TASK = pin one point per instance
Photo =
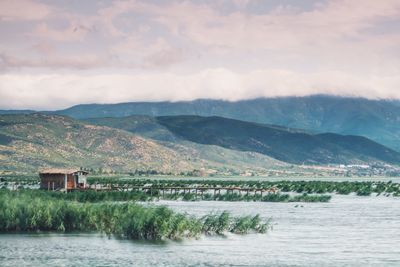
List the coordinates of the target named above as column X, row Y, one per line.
column 30, row 210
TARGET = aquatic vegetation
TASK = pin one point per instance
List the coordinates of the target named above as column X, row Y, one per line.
column 233, row 197
column 32, row 210
column 99, row 196
column 145, row 195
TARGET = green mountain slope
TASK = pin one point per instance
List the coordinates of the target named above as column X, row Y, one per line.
column 285, row 144
column 378, row 120
column 280, row 143
column 142, row 125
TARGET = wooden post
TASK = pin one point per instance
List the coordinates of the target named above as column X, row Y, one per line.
column 53, row 186
column 48, row 186
column 65, row 183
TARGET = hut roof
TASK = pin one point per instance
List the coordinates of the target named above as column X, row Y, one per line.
column 61, row 171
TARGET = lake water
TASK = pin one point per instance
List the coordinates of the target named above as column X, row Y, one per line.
column 348, row 231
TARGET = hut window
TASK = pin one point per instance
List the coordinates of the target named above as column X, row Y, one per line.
column 81, row 179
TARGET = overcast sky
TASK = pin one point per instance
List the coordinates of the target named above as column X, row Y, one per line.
column 54, row 54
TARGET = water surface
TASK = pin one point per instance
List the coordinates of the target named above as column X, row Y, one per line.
column 348, row 231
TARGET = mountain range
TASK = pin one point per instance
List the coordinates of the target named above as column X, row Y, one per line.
column 378, row 120
column 214, row 135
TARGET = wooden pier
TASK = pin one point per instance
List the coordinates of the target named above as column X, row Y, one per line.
column 198, row 190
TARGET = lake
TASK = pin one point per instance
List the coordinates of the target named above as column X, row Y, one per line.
column 348, row 231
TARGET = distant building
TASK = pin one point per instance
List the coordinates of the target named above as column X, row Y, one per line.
column 63, row 179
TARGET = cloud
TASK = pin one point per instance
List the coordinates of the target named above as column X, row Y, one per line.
column 162, row 34
column 175, row 50
column 332, row 36
column 73, row 32
column 157, row 53
column 54, row 61
column 278, row 29
column 60, row 91
column 11, row 10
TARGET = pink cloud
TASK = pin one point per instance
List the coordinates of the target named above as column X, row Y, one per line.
column 23, row 10
column 274, row 30
column 83, row 61
column 329, row 48
column 74, row 32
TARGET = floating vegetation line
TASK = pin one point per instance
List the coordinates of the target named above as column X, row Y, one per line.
column 32, row 210
column 147, row 195
column 270, row 197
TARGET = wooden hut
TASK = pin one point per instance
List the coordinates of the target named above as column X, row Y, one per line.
column 62, row 179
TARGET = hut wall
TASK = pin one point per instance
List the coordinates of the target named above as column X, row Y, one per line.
column 47, row 180
column 70, row 181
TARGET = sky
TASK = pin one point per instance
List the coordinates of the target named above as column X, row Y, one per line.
column 55, row 54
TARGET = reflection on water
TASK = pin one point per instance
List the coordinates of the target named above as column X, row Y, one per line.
column 348, row 231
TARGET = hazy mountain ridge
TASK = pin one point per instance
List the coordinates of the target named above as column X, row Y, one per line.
column 289, row 145
column 281, row 144
column 378, row 120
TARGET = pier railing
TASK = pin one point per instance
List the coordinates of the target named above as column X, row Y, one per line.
column 181, row 189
